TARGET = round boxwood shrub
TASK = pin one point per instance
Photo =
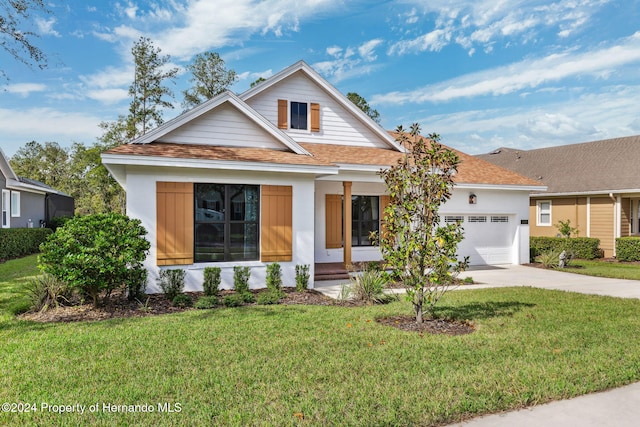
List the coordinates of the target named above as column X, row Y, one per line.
column 97, row 254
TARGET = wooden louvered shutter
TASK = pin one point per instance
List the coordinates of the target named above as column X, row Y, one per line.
column 333, row 221
column 174, row 223
column 315, row 117
column 276, row 235
column 282, row 114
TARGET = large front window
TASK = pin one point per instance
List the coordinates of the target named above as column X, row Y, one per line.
column 226, row 222
column 365, row 219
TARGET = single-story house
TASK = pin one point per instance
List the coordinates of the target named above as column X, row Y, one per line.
column 28, row 203
column 270, row 175
column 592, row 184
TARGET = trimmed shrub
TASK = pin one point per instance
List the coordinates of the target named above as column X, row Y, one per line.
column 19, row 242
column 628, row 248
column 578, row 247
column 211, row 283
column 182, row 301
column 171, row 282
column 206, row 302
column 97, row 254
column 241, row 279
column 270, row 297
column 274, row 277
column 302, row 277
column 232, row 300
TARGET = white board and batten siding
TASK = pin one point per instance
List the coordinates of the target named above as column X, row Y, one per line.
column 337, row 124
column 224, row 126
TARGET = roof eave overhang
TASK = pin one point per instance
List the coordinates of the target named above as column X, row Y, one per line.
column 590, row 193
column 512, row 187
column 157, row 161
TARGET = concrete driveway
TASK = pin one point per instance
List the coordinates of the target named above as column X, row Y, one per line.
column 520, row 275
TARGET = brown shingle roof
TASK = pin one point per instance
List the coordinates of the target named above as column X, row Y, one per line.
column 471, row 170
column 606, row 165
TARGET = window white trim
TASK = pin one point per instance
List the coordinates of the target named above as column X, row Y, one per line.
column 541, row 210
column 15, row 204
column 5, row 214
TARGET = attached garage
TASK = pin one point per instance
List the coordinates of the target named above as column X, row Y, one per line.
column 488, row 239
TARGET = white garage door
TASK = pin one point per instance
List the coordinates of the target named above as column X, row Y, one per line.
column 488, row 239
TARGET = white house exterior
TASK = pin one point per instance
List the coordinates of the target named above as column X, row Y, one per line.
column 268, row 176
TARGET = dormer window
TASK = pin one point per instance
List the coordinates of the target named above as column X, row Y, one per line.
column 298, row 114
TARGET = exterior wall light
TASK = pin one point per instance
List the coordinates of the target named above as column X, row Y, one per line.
column 473, row 199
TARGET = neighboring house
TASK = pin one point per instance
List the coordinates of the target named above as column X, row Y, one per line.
column 268, row 176
column 29, row 203
column 595, row 185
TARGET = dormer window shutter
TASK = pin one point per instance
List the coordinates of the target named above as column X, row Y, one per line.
column 282, row 114
column 315, row 117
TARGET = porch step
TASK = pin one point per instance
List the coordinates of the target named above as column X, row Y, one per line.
column 330, row 271
column 344, row 276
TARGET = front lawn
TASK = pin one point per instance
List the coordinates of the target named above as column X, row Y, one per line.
column 600, row 268
column 315, row 365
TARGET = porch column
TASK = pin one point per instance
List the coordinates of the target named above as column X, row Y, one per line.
column 346, row 223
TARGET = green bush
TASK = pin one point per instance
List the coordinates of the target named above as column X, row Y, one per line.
column 270, row 297
column 46, row 291
column 232, row 300
column 96, row 254
column 171, row 282
column 19, row 242
column 241, row 279
column 368, row 287
column 211, row 283
column 302, row 277
column 274, row 277
column 207, row 302
column 182, row 301
column 549, row 259
column 628, row 248
column 578, row 247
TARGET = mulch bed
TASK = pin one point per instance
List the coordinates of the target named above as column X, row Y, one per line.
column 119, row 307
column 431, row 326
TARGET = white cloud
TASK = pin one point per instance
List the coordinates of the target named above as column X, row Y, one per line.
column 108, row 96
column 349, row 62
column 46, row 124
column 45, row 27
column 25, row 89
column 527, row 74
column 481, row 23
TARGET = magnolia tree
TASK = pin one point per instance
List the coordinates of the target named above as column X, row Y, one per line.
column 419, row 249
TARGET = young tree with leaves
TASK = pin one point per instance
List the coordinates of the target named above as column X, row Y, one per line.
column 209, row 76
column 148, row 89
column 420, row 251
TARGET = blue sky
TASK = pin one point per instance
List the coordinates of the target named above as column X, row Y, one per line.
column 481, row 73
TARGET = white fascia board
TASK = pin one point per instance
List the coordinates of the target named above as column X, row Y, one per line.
column 501, row 187
column 361, row 168
column 591, row 193
column 13, row 184
column 5, row 167
column 111, row 159
column 331, row 90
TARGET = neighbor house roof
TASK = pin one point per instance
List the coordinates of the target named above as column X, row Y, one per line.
column 602, row 166
column 16, row 182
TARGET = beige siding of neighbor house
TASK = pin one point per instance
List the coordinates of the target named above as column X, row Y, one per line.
column 573, row 209
column 625, row 217
column 603, row 223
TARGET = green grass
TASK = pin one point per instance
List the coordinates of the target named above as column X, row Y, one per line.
column 328, row 365
column 615, row 270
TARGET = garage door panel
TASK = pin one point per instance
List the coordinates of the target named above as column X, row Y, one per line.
column 488, row 239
